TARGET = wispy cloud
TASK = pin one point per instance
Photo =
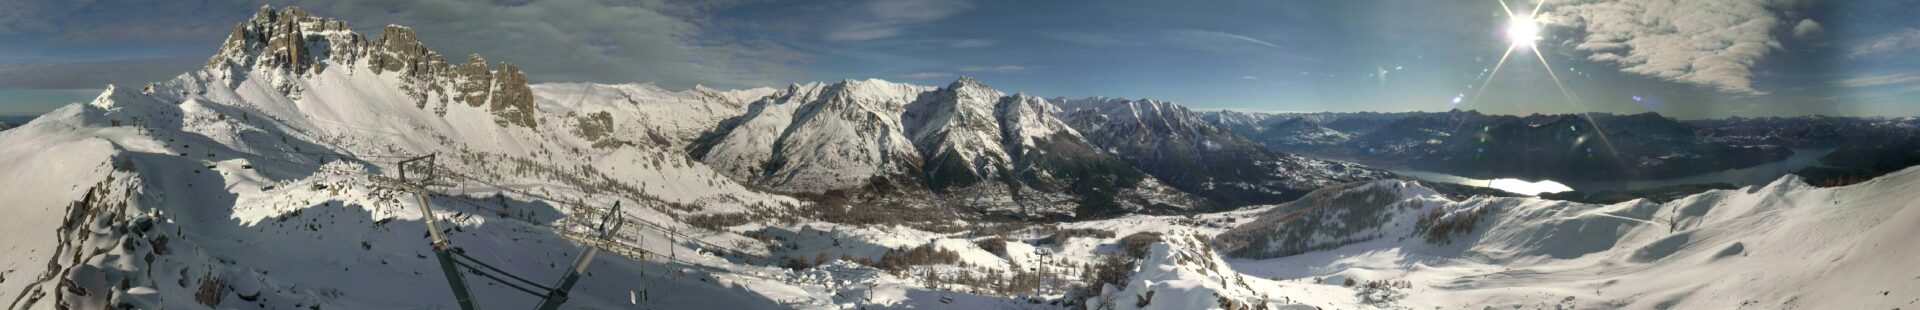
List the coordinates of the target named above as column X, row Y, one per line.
column 1185, row 39
column 1880, row 80
column 1249, row 77
column 1704, row 42
column 1211, row 40
column 1900, row 40
column 1191, row 39
column 972, row 43
column 886, row 18
column 926, row 75
column 1005, row 68
column 1091, row 39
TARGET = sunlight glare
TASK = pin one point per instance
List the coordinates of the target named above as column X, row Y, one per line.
column 1523, row 31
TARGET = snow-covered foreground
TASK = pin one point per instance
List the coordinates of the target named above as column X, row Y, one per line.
column 251, row 184
column 1782, row 245
column 1785, row 245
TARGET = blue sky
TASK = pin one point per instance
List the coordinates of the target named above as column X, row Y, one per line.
column 1690, row 59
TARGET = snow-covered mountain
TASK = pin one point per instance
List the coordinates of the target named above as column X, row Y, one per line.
column 965, row 144
column 819, row 137
column 1174, row 144
column 248, row 183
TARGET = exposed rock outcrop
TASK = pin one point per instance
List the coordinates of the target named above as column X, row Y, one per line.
column 298, row 44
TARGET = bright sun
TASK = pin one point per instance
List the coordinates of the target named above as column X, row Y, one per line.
column 1523, row 31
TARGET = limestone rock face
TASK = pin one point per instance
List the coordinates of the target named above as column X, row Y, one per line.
column 399, row 51
column 288, row 39
column 472, row 83
column 291, row 42
column 512, row 101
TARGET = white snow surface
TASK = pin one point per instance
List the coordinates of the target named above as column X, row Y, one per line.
column 261, row 178
column 1783, row 245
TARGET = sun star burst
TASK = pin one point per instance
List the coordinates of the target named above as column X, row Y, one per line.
column 1523, row 32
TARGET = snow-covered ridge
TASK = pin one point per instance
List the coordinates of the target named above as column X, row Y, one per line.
column 1176, row 145
column 975, row 145
column 1000, row 151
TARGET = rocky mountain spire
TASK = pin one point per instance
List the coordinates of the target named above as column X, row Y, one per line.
column 288, row 39
column 292, row 42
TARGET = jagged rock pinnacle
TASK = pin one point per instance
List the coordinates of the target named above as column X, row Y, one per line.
column 301, row 44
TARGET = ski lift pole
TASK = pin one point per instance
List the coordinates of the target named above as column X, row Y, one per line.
column 609, row 226
column 442, row 249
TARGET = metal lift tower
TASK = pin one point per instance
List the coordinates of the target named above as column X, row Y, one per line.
column 418, row 172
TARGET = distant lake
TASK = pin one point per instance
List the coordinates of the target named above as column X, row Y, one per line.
column 1761, row 174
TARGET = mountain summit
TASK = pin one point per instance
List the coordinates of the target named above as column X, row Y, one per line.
column 292, row 42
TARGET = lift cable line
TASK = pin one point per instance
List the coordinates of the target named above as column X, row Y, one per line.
column 633, row 253
column 636, row 252
column 463, row 294
column 436, row 170
column 416, row 173
column 649, row 224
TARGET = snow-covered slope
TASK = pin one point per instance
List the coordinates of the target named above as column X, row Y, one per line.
column 958, row 134
column 1396, row 244
column 247, row 185
column 647, row 113
column 1182, row 272
column 1782, row 245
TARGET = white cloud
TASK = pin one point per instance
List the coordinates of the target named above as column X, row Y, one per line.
column 1880, row 80
column 972, row 43
column 1213, row 40
column 1249, row 77
column 886, row 18
column 1703, row 42
column 1899, row 40
column 1807, row 29
column 926, row 75
column 1006, row 68
column 1091, row 39
column 1187, row 39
